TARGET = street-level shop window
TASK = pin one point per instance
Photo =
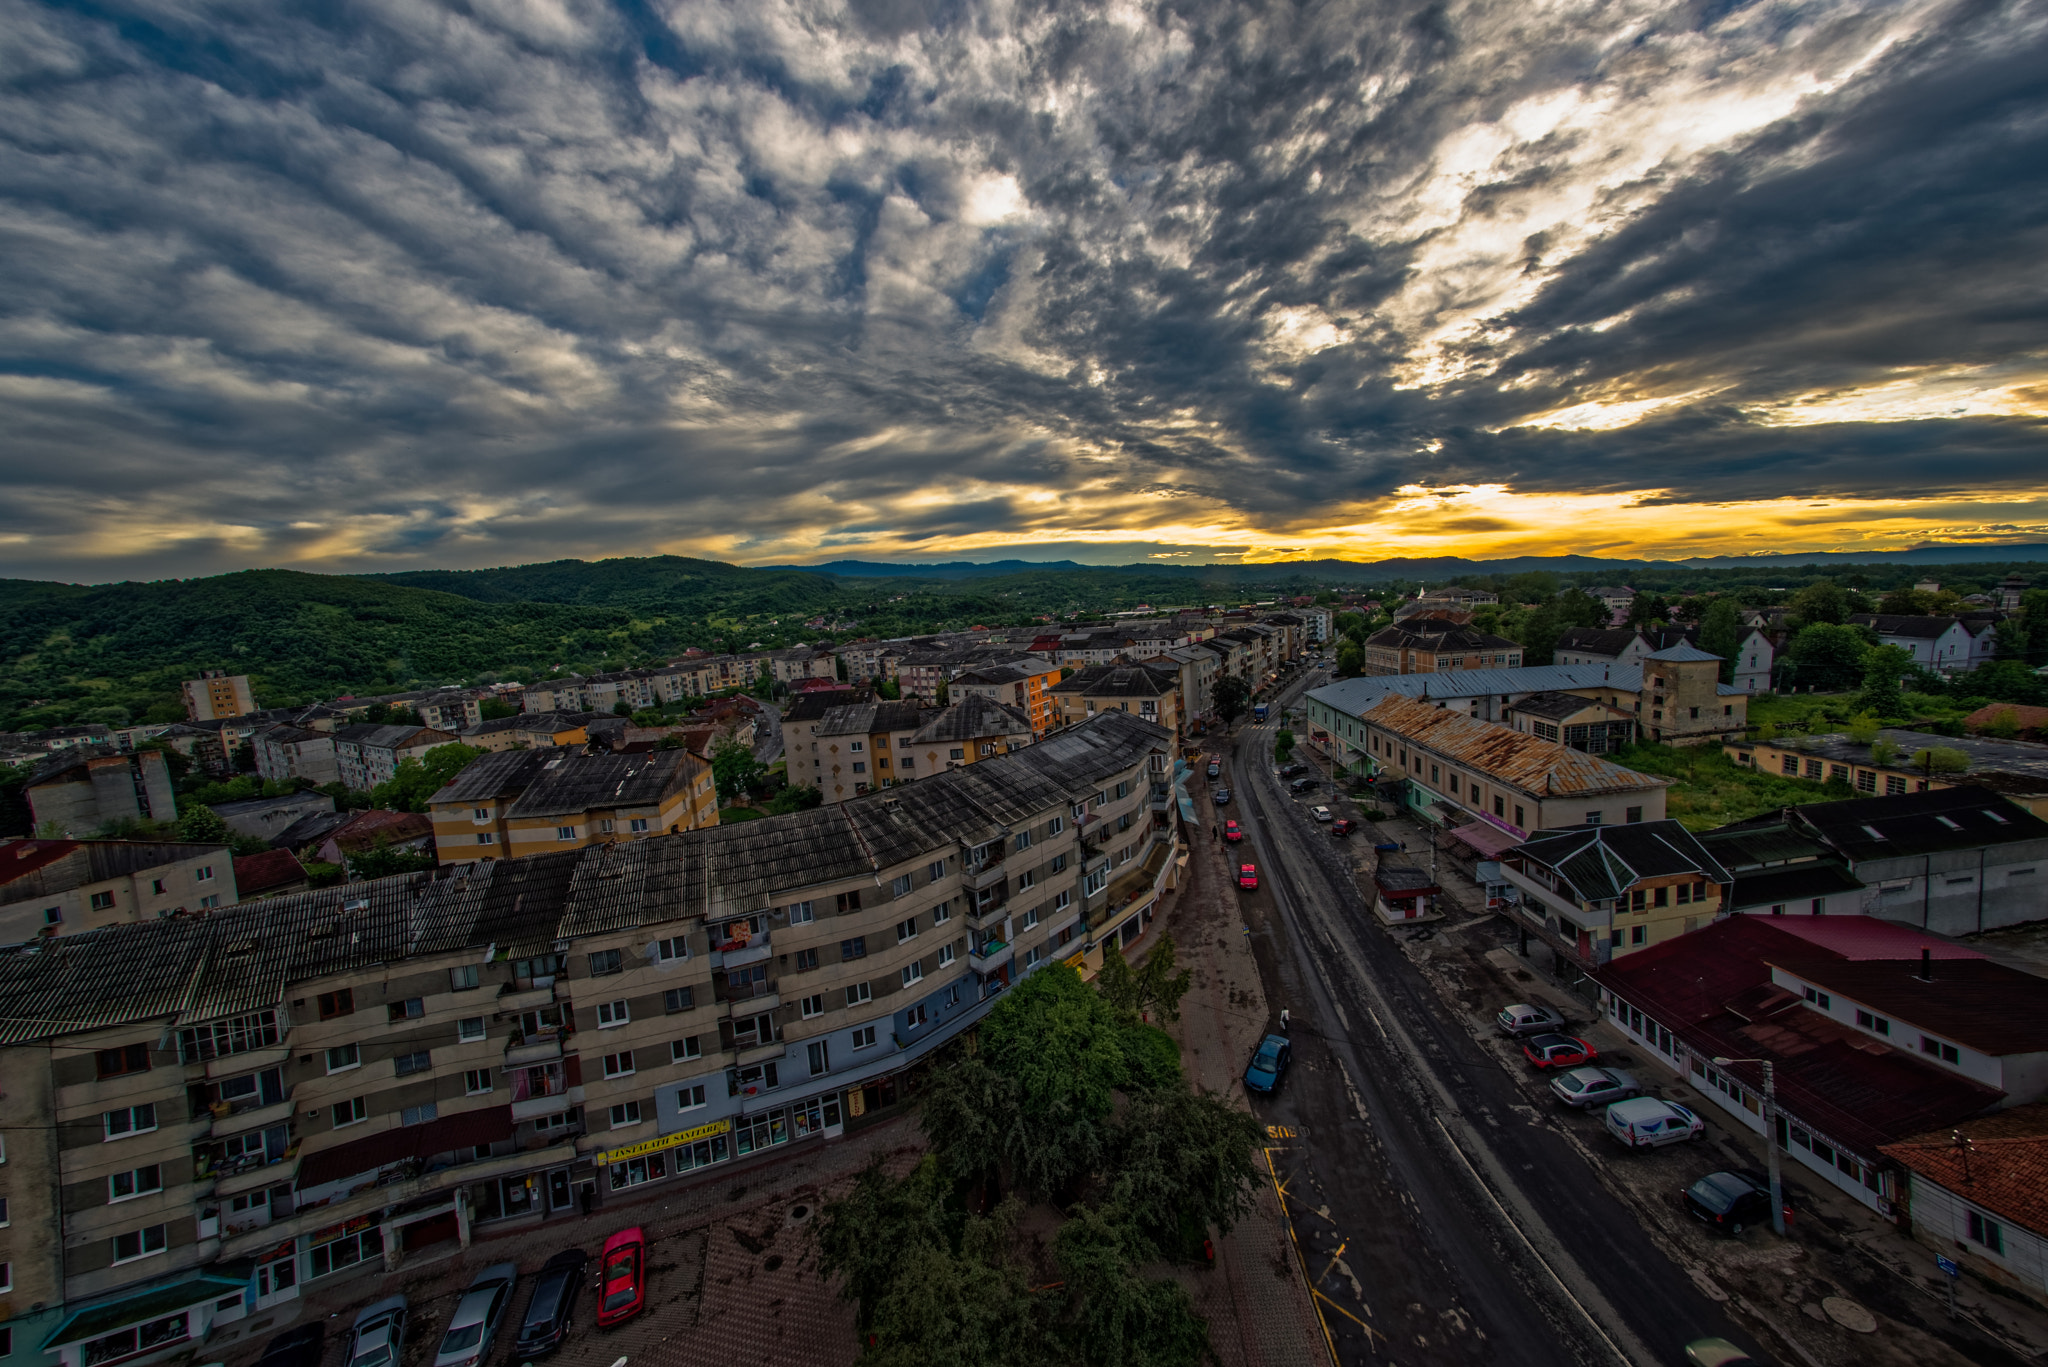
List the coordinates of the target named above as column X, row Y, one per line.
column 346, row 1250
column 138, row 1339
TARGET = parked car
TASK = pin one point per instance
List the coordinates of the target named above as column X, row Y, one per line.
column 1268, row 1063
column 1717, row 1353
column 1387, row 847
column 1215, row 768
column 377, row 1339
column 1343, row 825
column 1644, row 1122
column 1232, row 832
column 1586, row 1088
column 477, row 1317
column 622, row 1284
column 553, row 1305
column 1523, row 1019
column 1558, row 1051
column 1305, row 785
column 1223, row 797
column 1729, row 1202
column 299, row 1346
column 1248, row 875
column 1290, row 770
column 1320, row 813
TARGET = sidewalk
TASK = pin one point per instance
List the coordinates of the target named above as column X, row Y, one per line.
column 1255, row 1298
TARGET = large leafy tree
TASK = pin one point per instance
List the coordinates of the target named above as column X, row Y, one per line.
column 1232, row 695
column 415, row 781
column 734, row 769
column 1721, row 634
column 1826, row 657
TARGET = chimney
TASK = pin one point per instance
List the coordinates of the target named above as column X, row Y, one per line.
column 1926, row 964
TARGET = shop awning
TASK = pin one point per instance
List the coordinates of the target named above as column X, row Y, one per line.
column 140, row 1307
column 1490, row 841
column 1187, row 804
column 461, row 1131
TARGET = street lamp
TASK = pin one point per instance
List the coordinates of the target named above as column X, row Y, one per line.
column 1770, row 1136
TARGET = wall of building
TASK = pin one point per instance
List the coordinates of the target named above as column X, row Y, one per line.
column 1941, row 1220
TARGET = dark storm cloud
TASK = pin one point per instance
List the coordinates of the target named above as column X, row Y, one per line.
column 395, row 283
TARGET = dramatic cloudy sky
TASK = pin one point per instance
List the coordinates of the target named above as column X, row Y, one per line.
column 388, row 283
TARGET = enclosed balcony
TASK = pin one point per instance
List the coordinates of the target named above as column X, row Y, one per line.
column 992, row 957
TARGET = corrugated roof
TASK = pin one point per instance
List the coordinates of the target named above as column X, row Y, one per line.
column 566, row 784
column 494, row 776
column 974, row 717
column 1909, row 824
column 1978, row 1002
column 1542, row 768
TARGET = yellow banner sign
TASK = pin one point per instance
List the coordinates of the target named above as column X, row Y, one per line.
column 667, row 1141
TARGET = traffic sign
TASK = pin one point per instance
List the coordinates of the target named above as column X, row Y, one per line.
column 1948, row 1265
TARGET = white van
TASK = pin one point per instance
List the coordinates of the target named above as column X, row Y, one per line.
column 1645, row 1122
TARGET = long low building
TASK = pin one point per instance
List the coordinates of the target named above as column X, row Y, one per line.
column 209, row 1115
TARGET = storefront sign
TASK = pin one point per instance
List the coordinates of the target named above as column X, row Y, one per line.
column 667, row 1141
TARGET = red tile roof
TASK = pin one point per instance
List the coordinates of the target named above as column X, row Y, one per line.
column 2006, row 1168
column 363, row 831
column 259, row 873
column 1866, row 937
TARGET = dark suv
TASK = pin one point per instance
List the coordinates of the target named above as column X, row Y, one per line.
column 553, row 1303
column 1730, row 1202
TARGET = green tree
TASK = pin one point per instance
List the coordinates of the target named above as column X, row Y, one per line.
column 1232, row 696
column 16, row 817
column 199, row 824
column 1646, row 610
column 1827, row 657
column 734, row 769
column 1883, row 668
column 382, row 860
column 1940, row 759
column 415, row 781
column 1155, row 987
column 798, row 798
column 496, row 709
column 1350, row 659
column 1184, row 1163
column 1283, row 745
column 863, row 1237
column 1822, row 601
column 1117, row 1318
column 1721, row 634
column 964, row 1308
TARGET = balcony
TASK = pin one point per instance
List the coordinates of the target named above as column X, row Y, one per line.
column 234, row 1065
column 232, row 1120
column 991, row 958
column 762, row 1053
column 511, row 999
column 251, row 1176
column 534, row 1107
column 754, row 952
column 752, row 1002
column 984, row 872
column 533, row 1051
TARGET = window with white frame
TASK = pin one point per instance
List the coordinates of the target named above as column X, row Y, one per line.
column 813, row 1005
column 625, row 1113
column 801, row 913
column 476, row 1081
column 613, row 1014
column 619, row 1064
column 900, row 887
column 673, row 948
column 470, row 1029
column 906, row 930
column 342, row 1057
column 125, row 1186
column 119, row 1124
column 690, row 1098
column 859, row 993
column 946, row 955
column 1031, row 918
column 913, row 972
column 141, row 1243
column 351, row 1112
column 864, row 1037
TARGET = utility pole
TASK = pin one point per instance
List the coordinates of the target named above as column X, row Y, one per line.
column 1770, row 1137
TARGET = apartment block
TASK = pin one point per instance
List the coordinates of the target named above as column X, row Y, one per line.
column 79, row 791
column 367, row 755
column 280, row 1097
column 518, row 802
column 217, row 693
column 63, row 887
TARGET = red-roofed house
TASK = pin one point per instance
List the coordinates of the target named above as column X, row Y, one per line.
column 1984, row 1201
column 269, row 874
column 1845, row 1036
column 366, row 830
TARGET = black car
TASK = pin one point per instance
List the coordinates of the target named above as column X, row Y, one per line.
column 1223, row 797
column 1290, row 770
column 553, row 1303
column 1730, row 1202
column 1303, row 785
column 298, row 1347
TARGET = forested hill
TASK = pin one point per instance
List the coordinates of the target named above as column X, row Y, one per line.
column 117, row 652
column 662, row 583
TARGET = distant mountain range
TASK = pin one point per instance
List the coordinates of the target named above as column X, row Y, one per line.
column 1430, row 567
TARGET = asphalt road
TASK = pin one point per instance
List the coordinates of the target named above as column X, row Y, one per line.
column 1442, row 1218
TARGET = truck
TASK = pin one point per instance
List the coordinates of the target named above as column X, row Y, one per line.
column 1259, row 712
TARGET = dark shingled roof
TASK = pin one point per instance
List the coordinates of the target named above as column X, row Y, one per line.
column 871, row 718
column 1559, row 706
column 1893, row 624
column 1119, row 681
column 1595, row 641
column 1920, row 823
column 494, row 776
column 1978, row 1003
column 974, row 717
column 1423, row 634
column 577, row 783
column 1602, row 862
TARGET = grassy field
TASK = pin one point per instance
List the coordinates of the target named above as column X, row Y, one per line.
column 1808, row 713
column 728, row 815
column 1712, row 789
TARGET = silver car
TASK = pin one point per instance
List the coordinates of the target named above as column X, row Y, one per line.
column 477, row 1316
column 378, row 1336
column 1523, row 1019
column 1586, row 1088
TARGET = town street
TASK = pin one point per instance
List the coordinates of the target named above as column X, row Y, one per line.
column 1443, row 1223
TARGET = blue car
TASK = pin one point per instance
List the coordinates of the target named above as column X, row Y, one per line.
column 1268, row 1064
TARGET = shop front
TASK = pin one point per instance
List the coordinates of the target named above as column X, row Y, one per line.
column 667, row 1155
column 145, row 1325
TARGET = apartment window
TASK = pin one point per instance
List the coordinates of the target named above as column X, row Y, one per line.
column 678, row 999
column 203, row 874
column 913, row 972
column 610, row 1014
column 419, row 1115
column 1023, row 840
column 690, row 1098
column 943, row 912
column 1096, row 881
column 673, row 948
column 819, row 1057
column 606, row 962
column 156, row 887
column 934, row 871
column 1031, row 918
column 418, row 1061
column 140, row 1243
column 1593, row 818
column 1986, row 1231
column 210, row 900
column 801, row 913
column 813, row 1005
column 855, row 948
column 1945, row 1052
column 1638, row 934
column 849, row 901
column 341, row 1003
column 1031, row 958
column 463, row 979
column 619, row 1065
column 53, row 916
column 412, row 1008
column 859, row 993
column 351, row 1112
column 864, row 1037
column 342, row 1057
column 476, row 1081
column 956, row 753
column 1878, row 1025
column 102, row 901
column 915, row 1017
column 470, row 1029
column 906, row 930
column 1498, row 809
column 123, row 1186
column 129, row 1058
column 480, row 813
column 855, row 746
column 1519, row 819
column 486, row 838
column 637, row 826
column 625, row 1113
column 860, row 766
column 900, row 887
column 1061, row 901
column 1820, row 998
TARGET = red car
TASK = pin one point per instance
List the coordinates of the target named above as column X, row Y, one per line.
column 1232, row 831
column 1558, row 1051
column 1343, row 825
column 1248, row 875
column 622, row 1286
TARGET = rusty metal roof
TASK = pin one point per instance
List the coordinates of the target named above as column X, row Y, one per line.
column 1516, row 759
